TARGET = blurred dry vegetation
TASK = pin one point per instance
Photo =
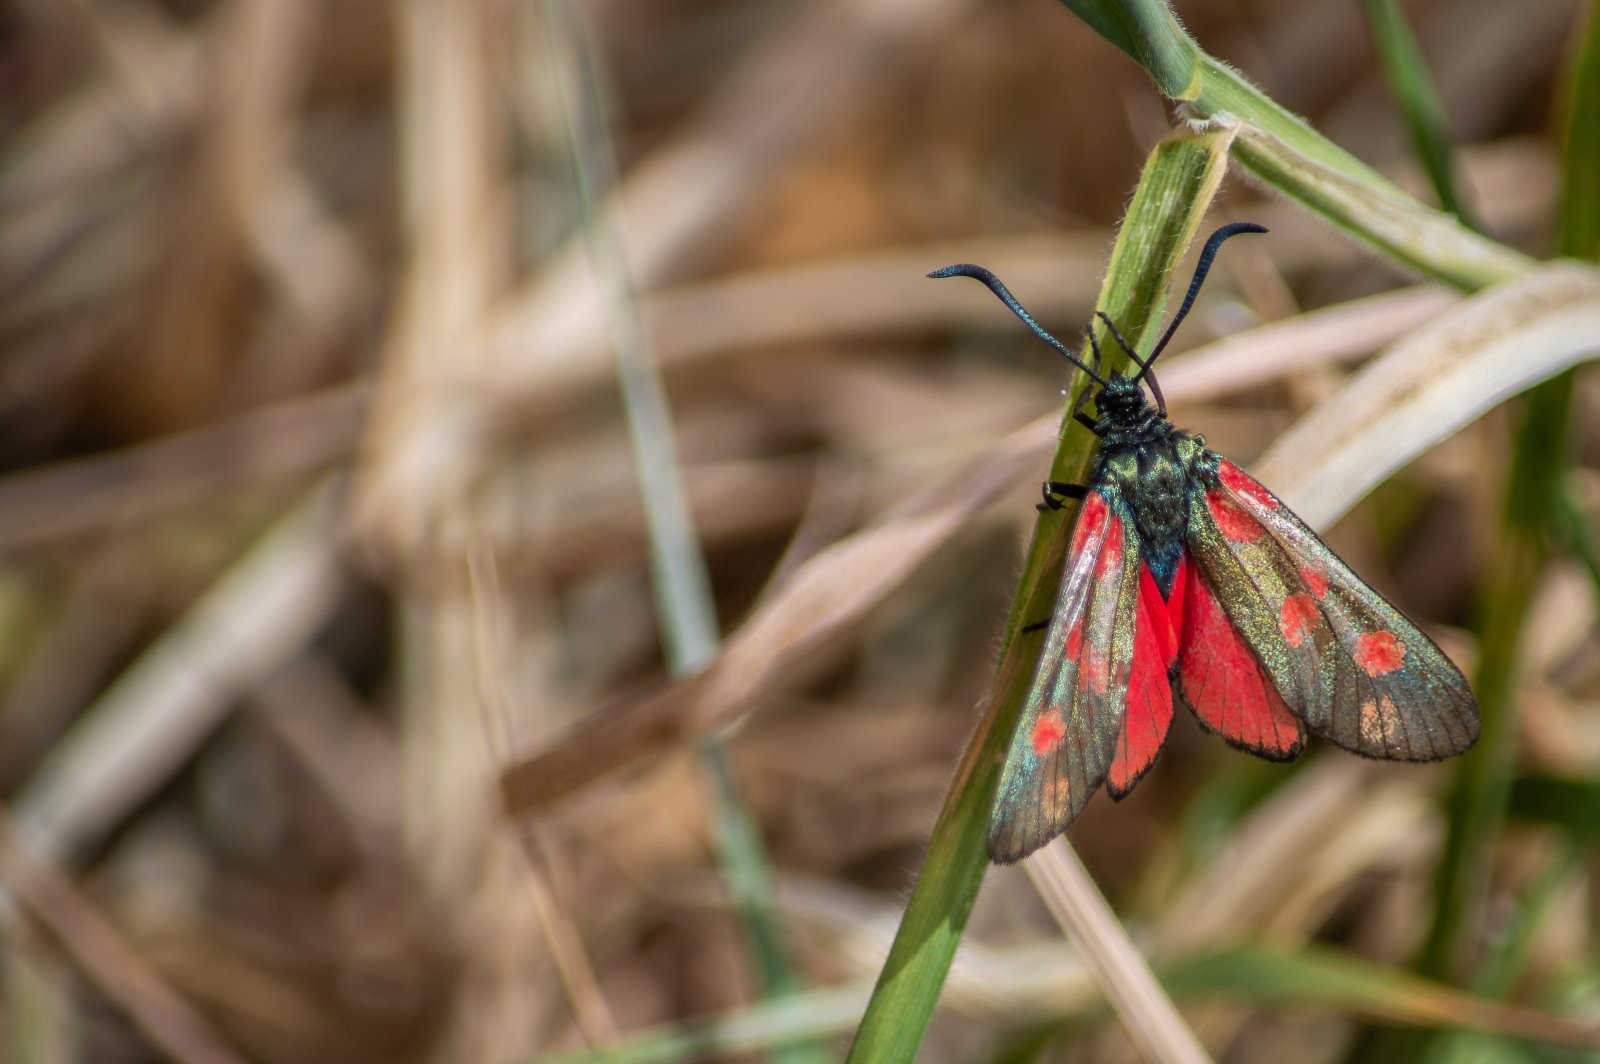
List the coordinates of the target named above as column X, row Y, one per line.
column 318, row 507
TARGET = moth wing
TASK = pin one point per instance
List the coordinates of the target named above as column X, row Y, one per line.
column 1148, row 715
column 1222, row 680
column 1349, row 664
column 1063, row 745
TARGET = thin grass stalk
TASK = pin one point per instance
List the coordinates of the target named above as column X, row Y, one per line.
column 1151, row 1019
column 684, row 600
column 1176, row 187
column 1414, row 93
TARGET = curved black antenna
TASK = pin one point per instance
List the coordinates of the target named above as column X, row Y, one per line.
column 1201, row 268
column 967, row 269
column 1122, row 340
column 1143, row 364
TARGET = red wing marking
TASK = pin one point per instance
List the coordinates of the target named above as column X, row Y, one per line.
column 1379, row 652
column 1048, row 732
column 1111, row 553
column 1224, row 683
column 1231, row 518
column 1090, row 518
column 1315, row 579
column 1074, row 641
column 1245, row 485
column 1149, row 708
column 1296, row 618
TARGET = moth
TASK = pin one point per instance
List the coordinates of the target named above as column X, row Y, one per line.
column 1188, row 582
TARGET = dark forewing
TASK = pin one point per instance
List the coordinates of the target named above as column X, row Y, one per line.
column 1070, row 723
column 1345, row 661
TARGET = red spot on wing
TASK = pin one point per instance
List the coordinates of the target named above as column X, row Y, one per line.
column 1295, row 619
column 1074, row 640
column 1379, row 652
column 1223, row 681
column 1090, row 518
column 1048, row 731
column 1315, row 579
column 1241, row 484
column 1231, row 518
column 1111, row 549
column 1149, row 708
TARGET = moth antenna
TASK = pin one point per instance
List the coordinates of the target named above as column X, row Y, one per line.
column 1142, row 363
column 967, row 269
column 1122, row 340
column 1201, row 268
column 1155, row 390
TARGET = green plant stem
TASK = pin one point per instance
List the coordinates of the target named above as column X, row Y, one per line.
column 1177, row 185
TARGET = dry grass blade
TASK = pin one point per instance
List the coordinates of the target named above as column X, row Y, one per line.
column 1274, row 351
column 823, row 599
column 1143, row 1007
column 774, row 104
column 84, row 495
column 146, row 724
column 106, row 957
column 1493, row 346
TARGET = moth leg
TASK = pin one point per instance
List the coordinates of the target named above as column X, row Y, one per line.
column 1036, row 625
column 1055, row 491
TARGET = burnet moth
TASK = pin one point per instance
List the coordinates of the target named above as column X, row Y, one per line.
column 1187, row 581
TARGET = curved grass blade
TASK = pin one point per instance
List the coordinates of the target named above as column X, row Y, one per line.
column 1288, row 155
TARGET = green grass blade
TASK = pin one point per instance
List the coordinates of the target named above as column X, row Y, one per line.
column 1412, row 87
column 1287, row 154
column 769, row 1026
column 1572, row 804
column 1578, row 220
column 1177, row 185
column 1370, row 209
column 1147, row 31
column 1334, row 979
